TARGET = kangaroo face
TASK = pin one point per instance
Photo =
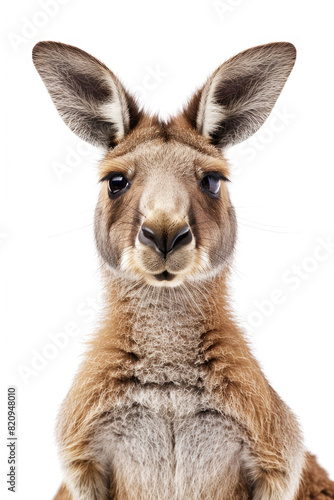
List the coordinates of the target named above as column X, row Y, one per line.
column 164, row 215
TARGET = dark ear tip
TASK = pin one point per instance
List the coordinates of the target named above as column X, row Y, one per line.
column 288, row 49
column 36, row 50
column 280, row 48
column 285, row 52
column 42, row 48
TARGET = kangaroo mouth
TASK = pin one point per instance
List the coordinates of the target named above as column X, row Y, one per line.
column 165, row 276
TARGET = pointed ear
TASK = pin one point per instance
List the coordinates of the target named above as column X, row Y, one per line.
column 237, row 99
column 88, row 96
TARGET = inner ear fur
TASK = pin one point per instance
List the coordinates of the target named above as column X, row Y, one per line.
column 239, row 96
column 88, row 96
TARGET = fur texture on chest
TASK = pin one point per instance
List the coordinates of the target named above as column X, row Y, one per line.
column 158, row 452
column 164, row 439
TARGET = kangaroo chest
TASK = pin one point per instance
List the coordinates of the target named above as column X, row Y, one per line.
column 165, row 440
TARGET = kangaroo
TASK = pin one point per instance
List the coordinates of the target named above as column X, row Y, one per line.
column 169, row 402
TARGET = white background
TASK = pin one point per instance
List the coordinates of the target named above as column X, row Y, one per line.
column 282, row 185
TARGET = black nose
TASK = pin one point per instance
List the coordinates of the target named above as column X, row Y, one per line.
column 165, row 242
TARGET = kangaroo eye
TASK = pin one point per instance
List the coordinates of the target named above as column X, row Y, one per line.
column 211, row 184
column 117, row 184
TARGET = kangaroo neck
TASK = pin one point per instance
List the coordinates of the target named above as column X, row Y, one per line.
column 164, row 327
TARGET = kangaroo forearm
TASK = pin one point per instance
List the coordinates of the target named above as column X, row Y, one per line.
column 86, row 477
column 86, row 480
column 85, row 474
column 274, row 453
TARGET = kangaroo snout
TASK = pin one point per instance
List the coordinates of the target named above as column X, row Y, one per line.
column 165, row 240
column 165, row 247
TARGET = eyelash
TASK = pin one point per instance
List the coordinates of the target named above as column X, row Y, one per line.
column 219, row 175
column 110, row 175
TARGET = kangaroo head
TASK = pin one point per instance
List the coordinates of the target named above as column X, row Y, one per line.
column 164, row 214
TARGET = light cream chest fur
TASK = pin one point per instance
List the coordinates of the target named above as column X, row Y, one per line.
column 164, row 440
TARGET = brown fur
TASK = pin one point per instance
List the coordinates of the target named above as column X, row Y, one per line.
column 315, row 483
column 169, row 401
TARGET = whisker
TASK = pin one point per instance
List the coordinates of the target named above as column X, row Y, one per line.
column 71, row 230
column 269, row 230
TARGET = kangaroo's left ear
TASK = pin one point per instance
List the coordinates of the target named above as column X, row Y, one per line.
column 88, row 96
column 237, row 99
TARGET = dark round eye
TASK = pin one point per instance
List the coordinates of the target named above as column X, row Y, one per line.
column 211, row 184
column 117, row 184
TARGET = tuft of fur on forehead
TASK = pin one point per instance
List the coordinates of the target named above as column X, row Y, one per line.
column 177, row 129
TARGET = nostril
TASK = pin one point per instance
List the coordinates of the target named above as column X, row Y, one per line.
column 148, row 237
column 148, row 233
column 183, row 237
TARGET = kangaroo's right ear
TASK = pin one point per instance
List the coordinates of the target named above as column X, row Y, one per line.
column 88, row 96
